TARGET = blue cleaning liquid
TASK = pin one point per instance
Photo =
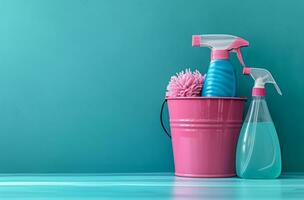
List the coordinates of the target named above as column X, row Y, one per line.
column 258, row 151
column 220, row 80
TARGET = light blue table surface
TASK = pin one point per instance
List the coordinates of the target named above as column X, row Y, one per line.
column 146, row 186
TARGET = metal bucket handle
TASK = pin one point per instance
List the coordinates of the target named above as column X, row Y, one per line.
column 161, row 118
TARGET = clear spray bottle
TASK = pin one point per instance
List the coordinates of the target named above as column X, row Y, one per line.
column 258, row 149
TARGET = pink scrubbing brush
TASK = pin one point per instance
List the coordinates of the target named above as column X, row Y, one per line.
column 185, row 84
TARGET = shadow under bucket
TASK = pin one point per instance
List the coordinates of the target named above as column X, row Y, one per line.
column 204, row 133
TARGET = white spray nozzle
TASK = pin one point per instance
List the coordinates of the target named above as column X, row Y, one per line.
column 261, row 77
column 219, row 41
column 221, row 44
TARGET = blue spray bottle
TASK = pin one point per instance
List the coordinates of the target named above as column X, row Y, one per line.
column 220, row 80
column 258, row 153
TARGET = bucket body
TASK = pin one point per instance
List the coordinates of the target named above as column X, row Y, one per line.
column 204, row 134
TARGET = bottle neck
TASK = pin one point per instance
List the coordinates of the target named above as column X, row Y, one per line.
column 219, row 55
column 258, row 97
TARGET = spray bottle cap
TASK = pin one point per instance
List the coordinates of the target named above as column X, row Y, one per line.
column 220, row 45
column 260, row 77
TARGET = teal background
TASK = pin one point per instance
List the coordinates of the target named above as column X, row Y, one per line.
column 82, row 81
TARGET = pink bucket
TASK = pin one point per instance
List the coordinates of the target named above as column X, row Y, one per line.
column 204, row 134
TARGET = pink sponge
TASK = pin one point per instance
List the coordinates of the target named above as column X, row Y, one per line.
column 185, row 84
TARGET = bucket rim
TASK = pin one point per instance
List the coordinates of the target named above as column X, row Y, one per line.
column 206, row 98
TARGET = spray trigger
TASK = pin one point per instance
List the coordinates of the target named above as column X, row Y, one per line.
column 278, row 89
column 239, row 56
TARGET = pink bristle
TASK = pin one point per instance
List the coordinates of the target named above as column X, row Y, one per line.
column 185, row 84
